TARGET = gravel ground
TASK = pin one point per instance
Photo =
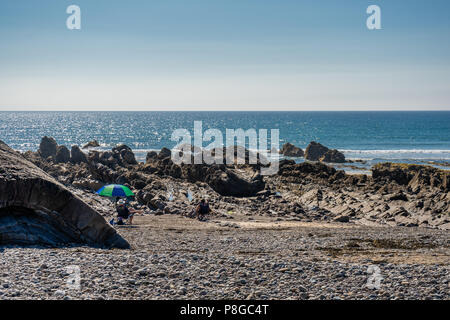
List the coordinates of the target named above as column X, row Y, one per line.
column 238, row 258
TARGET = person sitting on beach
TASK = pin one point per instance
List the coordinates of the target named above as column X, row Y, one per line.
column 123, row 213
column 202, row 209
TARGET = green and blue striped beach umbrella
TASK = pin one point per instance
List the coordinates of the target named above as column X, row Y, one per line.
column 115, row 190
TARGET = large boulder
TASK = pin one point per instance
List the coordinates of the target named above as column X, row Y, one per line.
column 226, row 182
column 47, row 147
column 62, row 154
column 77, row 156
column 314, row 151
column 151, row 155
column 164, row 153
column 35, row 209
column 333, row 156
column 124, row 155
column 290, row 150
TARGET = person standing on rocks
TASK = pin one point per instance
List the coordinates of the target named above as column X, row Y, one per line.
column 202, row 210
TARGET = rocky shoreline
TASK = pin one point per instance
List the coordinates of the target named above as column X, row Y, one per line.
column 394, row 194
column 309, row 232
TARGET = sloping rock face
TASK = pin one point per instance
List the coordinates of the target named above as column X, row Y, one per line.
column 37, row 210
column 290, row 150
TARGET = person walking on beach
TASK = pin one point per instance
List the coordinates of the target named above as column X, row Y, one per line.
column 202, row 210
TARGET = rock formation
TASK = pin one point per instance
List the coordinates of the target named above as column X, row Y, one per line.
column 35, row 209
column 62, row 154
column 395, row 194
column 124, row 155
column 333, row 156
column 222, row 179
column 47, row 147
column 318, row 152
column 77, row 156
column 314, row 151
column 290, row 150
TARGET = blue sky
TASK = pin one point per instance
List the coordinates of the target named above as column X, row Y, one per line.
column 224, row 55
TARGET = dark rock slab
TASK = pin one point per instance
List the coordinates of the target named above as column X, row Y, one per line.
column 35, row 209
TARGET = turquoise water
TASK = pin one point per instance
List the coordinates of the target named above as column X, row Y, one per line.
column 375, row 136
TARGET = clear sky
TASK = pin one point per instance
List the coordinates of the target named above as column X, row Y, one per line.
column 224, row 54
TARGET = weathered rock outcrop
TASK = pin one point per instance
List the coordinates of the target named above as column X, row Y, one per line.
column 314, row 151
column 36, row 209
column 416, row 177
column 77, row 156
column 308, row 172
column 124, row 155
column 62, row 154
column 223, row 180
column 318, row 152
column 290, row 150
column 47, row 147
column 333, row 156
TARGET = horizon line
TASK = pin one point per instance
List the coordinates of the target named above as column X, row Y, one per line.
column 233, row 109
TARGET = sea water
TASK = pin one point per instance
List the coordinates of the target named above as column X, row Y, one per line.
column 414, row 137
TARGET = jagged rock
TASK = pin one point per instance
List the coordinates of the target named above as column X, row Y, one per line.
column 47, row 147
column 399, row 196
column 306, row 172
column 164, row 153
column 157, row 203
column 123, row 179
column 151, row 155
column 91, row 144
column 416, row 177
column 314, row 151
column 119, row 148
column 144, row 196
column 62, row 154
column 312, row 197
column 391, row 173
column 342, row 219
column 138, row 184
column 333, row 156
column 229, row 183
column 124, row 155
column 77, row 156
column 290, row 150
column 128, row 157
column 37, row 210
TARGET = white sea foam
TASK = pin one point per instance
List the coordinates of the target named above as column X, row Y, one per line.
column 416, row 154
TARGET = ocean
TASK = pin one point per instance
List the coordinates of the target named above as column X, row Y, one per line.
column 413, row 137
